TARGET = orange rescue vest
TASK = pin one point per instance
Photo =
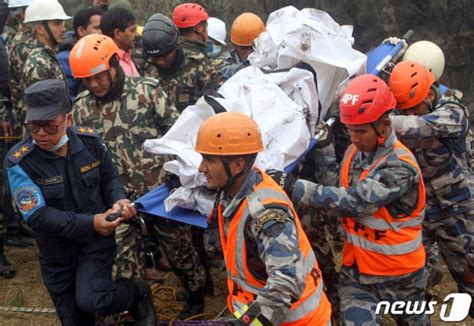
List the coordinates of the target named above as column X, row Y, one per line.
column 312, row 308
column 380, row 244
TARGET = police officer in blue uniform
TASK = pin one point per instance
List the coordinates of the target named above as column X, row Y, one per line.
column 64, row 185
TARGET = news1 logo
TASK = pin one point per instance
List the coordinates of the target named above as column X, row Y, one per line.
column 459, row 303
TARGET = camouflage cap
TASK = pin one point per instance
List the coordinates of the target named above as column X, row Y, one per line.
column 46, row 99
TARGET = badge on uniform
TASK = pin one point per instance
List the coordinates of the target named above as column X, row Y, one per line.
column 27, row 195
column 89, row 167
column 27, row 198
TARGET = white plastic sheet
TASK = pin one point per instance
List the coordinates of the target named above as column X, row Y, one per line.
column 282, row 100
column 311, row 36
column 194, row 198
column 284, row 105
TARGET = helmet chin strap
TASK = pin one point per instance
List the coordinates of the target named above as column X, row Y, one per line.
column 380, row 137
column 200, row 34
column 50, row 34
column 231, row 178
column 430, row 105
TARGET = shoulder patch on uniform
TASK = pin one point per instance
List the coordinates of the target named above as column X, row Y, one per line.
column 28, row 199
column 85, row 131
column 26, row 194
column 271, row 215
column 20, row 151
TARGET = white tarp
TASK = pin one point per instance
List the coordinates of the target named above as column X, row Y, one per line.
column 311, row 36
column 284, row 102
column 284, row 105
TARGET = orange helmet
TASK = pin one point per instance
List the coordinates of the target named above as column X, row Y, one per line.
column 365, row 100
column 91, row 55
column 189, row 15
column 410, row 83
column 246, row 28
column 229, row 133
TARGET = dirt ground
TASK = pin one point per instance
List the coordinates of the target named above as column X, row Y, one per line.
column 26, row 290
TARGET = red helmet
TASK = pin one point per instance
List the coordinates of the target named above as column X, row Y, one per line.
column 189, row 15
column 365, row 100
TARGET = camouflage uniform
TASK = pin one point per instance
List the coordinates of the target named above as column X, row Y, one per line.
column 273, row 252
column 9, row 31
column 222, row 60
column 3, row 150
column 340, row 135
column 392, row 185
column 230, row 70
column 441, row 143
column 141, row 112
column 6, row 217
column 360, row 305
column 21, row 46
column 232, row 64
column 324, row 233
column 41, row 64
column 193, row 76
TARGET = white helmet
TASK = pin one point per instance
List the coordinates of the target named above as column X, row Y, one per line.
column 216, row 30
column 18, row 3
column 427, row 54
column 40, row 10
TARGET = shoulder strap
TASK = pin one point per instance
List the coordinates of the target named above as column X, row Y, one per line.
column 85, row 131
column 20, row 151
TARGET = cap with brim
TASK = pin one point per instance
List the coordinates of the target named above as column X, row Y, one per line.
column 46, row 99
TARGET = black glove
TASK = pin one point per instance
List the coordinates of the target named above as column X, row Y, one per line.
column 172, row 182
column 286, row 181
column 252, row 313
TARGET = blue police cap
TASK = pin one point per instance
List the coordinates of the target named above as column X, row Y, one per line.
column 46, row 99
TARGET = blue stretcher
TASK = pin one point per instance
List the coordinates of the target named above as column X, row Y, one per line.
column 153, row 202
column 378, row 57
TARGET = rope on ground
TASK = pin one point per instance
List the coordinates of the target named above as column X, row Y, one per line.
column 28, row 310
column 167, row 295
column 219, row 315
column 164, row 299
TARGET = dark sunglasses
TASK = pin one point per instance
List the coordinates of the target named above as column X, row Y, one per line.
column 50, row 129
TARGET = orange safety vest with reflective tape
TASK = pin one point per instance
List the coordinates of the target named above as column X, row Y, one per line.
column 312, row 307
column 381, row 244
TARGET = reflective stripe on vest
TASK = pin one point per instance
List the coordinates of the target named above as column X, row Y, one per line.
column 368, row 239
column 379, row 224
column 294, row 315
column 398, row 249
column 235, row 254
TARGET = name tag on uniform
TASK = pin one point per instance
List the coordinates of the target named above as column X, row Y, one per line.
column 50, row 181
column 89, row 167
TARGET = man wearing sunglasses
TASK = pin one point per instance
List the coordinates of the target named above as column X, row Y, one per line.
column 64, row 184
